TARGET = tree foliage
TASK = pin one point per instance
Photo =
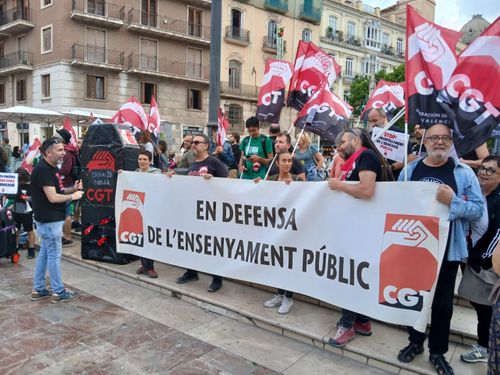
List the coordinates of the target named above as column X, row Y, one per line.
column 397, row 75
column 358, row 95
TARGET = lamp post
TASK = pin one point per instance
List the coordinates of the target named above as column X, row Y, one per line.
column 215, row 51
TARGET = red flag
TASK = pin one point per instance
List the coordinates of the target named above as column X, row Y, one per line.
column 324, row 114
column 31, row 156
column 67, row 125
column 154, row 119
column 312, row 66
column 272, row 91
column 430, row 61
column 471, row 98
column 387, row 95
column 222, row 126
column 132, row 113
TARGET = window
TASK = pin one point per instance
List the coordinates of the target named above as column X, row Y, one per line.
column 149, row 54
column 235, row 115
column 399, row 46
column 46, row 86
column 234, row 74
column 306, row 35
column 195, row 22
column 46, row 39
column 194, row 99
column 2, row 50
column 371, row 65
column 236, row 24
column 372, row 34
column 193, row 65
column 96, row 7
column 95, row 87
column 272, row 28
column 348, row 67
column 332, row 22
column 385, row 39
column 96, row 45
column 351, row 30
column 21, row 90
column 148, row 90
column 2, row 93
column 148, row 12
column 45, row 3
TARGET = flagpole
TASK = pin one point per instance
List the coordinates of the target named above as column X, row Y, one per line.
column 390, row 123
column 406, row 153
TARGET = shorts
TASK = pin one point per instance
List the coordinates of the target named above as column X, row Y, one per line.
column 26, row 220
column 70, row 208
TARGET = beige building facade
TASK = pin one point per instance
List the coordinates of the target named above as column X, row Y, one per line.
column 93, row 55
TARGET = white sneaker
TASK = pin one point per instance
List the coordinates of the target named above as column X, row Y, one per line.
column 286, row 305
column 275, row 301
column 477, row 354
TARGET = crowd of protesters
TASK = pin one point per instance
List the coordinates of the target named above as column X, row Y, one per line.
column 473, row 196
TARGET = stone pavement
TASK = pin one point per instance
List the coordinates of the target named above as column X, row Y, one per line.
column 116, row 327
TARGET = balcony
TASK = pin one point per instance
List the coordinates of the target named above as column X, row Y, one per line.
column 15, row 21
column 237, row 36
column 278, row 6
column 336, row 37
column 166, row 27
column 16, row 62
column 97, row 57
column 98, row 13
column 310, row 14
column 233, row 90
column 269, row 45
column 388, row 50
column 159, row 67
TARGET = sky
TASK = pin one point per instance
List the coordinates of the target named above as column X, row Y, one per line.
column 453, row 14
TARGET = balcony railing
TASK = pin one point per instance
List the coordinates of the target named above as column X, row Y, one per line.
column 167, row 26
column 270, row 43
column 238, row 34
column 99, row 9
column 17, row 58
column 338, row 37
column 239, row 90
column 161, row 66
column 97, row 55
column 279, row 6
column 388, row 50
column 15, row 15
column 310, row 13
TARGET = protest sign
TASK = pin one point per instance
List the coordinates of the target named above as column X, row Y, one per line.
column 391, row 144
column 378, row 257
column 8, row 183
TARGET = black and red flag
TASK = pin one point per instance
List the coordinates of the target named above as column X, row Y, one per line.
column 387, row 95
column 430, row 62
column 324, row 114
column 311, row 67
column 277, row 75
column 471, row 98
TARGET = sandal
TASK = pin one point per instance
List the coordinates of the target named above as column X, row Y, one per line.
column 408, row 353
column 441, row 364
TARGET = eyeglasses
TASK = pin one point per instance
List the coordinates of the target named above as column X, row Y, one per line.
column 487, row 171
column 437, row 138
column 196, row 143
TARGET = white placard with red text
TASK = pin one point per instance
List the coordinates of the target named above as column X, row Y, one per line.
column 391, row 144
column 8, row 183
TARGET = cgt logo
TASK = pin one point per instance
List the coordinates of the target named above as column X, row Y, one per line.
column 131, row 228
column 101, row 160
column 99, row 195
column 408, row 267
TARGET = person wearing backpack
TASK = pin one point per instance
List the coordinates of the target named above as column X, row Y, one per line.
column 256, row 151
column 69, row 177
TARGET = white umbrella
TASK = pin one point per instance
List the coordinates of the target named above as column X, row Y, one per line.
column 22, row 113
column 77, row 113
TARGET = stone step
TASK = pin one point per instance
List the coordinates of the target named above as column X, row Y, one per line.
column 309, row 321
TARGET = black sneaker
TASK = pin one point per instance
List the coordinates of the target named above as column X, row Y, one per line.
column 215, row 286
column 66, row 242
column 187, row 277
column 76, row 225
column 441, row 364
column 31, row 253
column 408, row 353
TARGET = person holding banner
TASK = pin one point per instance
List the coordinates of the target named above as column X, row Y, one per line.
column 365, row 165
column 206, row 166
column 310, row 158
column 256, row 151
column 459, row 190
column 283, row 143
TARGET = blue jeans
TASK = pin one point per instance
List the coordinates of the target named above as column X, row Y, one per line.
column 49, row 256
column 349, row 317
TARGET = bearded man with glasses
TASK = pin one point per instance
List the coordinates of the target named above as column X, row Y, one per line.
column 460, row 191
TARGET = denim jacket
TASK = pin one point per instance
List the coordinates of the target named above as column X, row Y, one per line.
column 466, row 205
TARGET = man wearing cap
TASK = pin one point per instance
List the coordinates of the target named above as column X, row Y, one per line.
column 256, row 151
column 68, row 179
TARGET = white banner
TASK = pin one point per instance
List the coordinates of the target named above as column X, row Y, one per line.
column 8, row 183
column 391, row 144
column 378, row 257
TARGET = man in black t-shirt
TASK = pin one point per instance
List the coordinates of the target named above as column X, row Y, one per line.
column 283, row 142
column 49, row 199
column 361, row 164
column 206, row 166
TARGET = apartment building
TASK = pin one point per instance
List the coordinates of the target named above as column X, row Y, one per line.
column 93, row 55
column 250, row 36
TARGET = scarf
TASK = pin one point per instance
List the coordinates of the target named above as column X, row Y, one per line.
column 348, row 166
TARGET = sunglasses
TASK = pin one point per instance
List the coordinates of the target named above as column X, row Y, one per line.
column 196, row 143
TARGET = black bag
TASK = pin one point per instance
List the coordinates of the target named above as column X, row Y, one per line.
column 7, row 233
